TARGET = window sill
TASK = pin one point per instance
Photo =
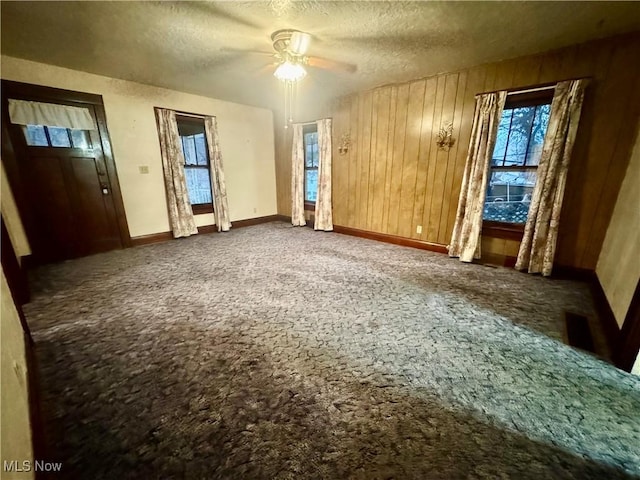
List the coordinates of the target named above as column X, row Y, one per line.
column 202, row 208
column 310, row 206
column 508, row 231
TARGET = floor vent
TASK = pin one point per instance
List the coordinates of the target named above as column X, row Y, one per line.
column 578, row 332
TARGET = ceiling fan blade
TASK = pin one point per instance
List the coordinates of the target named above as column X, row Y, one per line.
column 299, row 43
column 331, row 64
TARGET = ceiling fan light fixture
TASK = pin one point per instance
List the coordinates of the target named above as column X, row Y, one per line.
column 290, row 72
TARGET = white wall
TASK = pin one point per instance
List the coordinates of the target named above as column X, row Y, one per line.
column 618, row 267
column 16, row 427
column 246, row 141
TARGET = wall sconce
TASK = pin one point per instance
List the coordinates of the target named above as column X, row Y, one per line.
column 345, row 143
column 444, row 140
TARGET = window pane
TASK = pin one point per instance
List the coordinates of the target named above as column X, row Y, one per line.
column 189, row 150
column 35, row 136
column 59, row 137
column 201, row 149
column 310, row 185
column 501, row 139
column 521, row 122
column 198, row 184
column 540, row 124
column 80, row 138
column 509, row 196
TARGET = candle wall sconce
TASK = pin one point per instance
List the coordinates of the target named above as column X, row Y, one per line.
column 445, row 139
column 345, row 143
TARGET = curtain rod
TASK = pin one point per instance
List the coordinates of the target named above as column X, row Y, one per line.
column 186, row 114
column 305, row 123
column 534, row 88
column 529, row 90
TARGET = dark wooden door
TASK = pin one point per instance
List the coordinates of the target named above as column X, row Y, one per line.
column 68, row 195
column 69, row 192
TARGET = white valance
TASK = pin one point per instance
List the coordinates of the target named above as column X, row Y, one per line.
column 22, row 112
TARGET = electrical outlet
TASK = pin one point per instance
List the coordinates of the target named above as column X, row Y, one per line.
column 419, row 229
column 143, row 169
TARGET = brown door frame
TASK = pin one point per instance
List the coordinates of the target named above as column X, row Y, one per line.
column 26, row 91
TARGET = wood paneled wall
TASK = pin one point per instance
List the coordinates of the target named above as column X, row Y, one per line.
column 394, row 178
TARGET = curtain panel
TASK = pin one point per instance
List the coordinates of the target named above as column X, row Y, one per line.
column 297, row 178
column 323, row 212
column 538, row 245
column 465, row 240
column 180, row 213
column 218, row 185
column 22, row 112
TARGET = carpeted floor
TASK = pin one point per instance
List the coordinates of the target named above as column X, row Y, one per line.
column 273, row 352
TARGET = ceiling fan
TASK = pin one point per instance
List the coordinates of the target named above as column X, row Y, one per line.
column 290, row 48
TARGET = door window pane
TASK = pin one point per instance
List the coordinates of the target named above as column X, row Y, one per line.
column 35, row 136
column 199, row 185
column 80, row 138
column 59, row 137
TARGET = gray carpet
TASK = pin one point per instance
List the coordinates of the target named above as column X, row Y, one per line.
column 273, row 352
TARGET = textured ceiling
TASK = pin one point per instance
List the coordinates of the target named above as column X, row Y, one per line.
column 197, row 46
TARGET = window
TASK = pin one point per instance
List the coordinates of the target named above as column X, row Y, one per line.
column 196, row 167
column 515, row 158
column 43, row 136
column 310, row 138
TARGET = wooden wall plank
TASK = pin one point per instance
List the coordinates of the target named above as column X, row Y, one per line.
column 527, row 71
column 444, row 234
column 389, row 163
column 428, row 112
column 353, row 161
column 375, row 118
column 364, row 159
column 398, row 158
column 340, row 170
column 428, row 219
column 411, row 154
column 380, row 157
column 442, row 159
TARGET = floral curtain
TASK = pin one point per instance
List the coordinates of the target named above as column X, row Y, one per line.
column 180, row 214
column 538, row 245
column 465, row 241
column 218, row 186
column 323, row 213
column 297, row 178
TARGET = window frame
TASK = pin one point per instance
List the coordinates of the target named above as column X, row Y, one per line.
column 509, row 230
column 197, row 208
column 311, row 128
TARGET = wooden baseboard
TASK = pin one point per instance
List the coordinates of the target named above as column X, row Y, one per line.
column 256, row 221
column 151, row 238
column 396, row 240
column 165, row 236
